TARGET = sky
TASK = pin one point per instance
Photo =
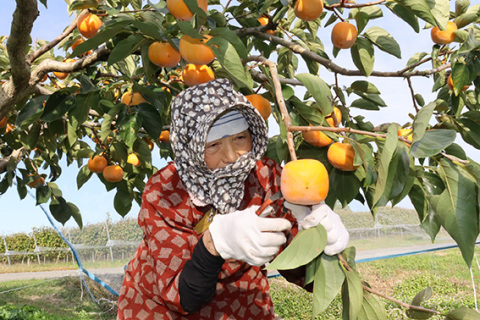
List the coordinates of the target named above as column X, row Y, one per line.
column 95, row 202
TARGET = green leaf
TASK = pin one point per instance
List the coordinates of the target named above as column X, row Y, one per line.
column 60, row 210
column 456, row 207
column 432, row 143
column 328, row 281
column 84, row 102
column 311, row 113
column 470, row 131
column 319, row 90
column 364, row 104
column 386, row 156
column 420, row 8
column 31, row 112
column 344, row 187
column 440, row 10
column 305, row 247
column 148, row 28
column 122, row 202
column 57, row 105
column 372, row 309
column 232, row 38
column 422, row 120
column 468, row 16
column 363, row 55
column 416, row 58
column 463, row 313
column 125, row 48
column 151, row 120
column 423, row 295
column 83, row 176
column 365, row 87
column 352, row 295
column 104, row 35
column 384, row 41
column 42, row 194
column 229, row 58
column 129, row 128
column 404, row 14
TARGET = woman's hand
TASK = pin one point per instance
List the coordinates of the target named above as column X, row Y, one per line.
column 243, row 235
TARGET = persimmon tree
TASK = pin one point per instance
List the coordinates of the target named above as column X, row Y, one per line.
column 105, row 97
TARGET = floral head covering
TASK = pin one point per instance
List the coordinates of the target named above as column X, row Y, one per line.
column 194, row 110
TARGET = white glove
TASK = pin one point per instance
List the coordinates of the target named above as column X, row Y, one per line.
column 243, row 235
column 337, row 234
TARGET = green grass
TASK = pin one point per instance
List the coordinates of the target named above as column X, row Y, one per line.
column 401, row 278
column 55, row 299
column 35, row 267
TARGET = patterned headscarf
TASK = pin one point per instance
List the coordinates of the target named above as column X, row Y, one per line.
column 194, row 110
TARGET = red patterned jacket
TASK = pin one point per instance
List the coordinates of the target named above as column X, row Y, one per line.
column 168, row 217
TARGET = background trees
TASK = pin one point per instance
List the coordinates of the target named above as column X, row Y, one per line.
column 122, row 62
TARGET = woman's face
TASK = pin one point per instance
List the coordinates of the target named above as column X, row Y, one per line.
column 222, row 152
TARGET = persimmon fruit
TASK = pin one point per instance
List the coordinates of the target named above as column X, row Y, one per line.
column 180, row 11
column 444, row 36
column 260, row 103
column 97, row 164
column 450, row 84
column 407, row 133
column 263, row 20
column 3, row 122
column 341, row 156
column 133, row 160
column 62, row 75
column 316, row 138
column 113, row 173
column 163, row 54
column 331, row 120
column 132, row 99
column 195, row 74
column 194, row 50
column 164, row 136
column 88, row 25
column 344, row 35
column 308, row 10
column 304, row 182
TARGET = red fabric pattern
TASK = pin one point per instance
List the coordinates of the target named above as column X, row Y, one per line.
column 167, row 217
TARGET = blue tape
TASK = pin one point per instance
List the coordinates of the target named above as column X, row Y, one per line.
column 75, row 253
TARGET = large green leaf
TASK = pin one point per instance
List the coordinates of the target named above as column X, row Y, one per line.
column 83, row 176
column 151, row 120
column 463, row 313
column 319, row 90
column 343, row 187
column 62, row 211
column 129, row 127
column 352, row 295
column 31, row 112
column 122, row 202
column 364, row 104
column 232, row 38
column 384, row 41
column 305, row 247
column 456, row 207
column 423, row 295
column 404, row 14
column 328, row 280
column 372, row 309
column 433, row 142
column 57, row 105
column 363, row 15
column 440, row 10
column 364, row 86
column 229, row 58
column 421, row 122
column 470, row 131
column 386, row 155
column 363, row 55
column 420, row 8
column 125, row 48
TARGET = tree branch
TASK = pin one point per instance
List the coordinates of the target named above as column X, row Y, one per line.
column 16, row 156
column 297, row 48
column 37, row 53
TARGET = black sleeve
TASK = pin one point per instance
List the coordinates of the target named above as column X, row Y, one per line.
column 198, row 280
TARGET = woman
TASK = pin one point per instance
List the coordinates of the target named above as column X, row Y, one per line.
column 204, row 245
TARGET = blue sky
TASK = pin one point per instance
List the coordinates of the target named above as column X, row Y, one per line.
column 95, row 202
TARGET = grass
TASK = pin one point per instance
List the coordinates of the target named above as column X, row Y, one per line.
column 51, row 266
column 401, row 278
